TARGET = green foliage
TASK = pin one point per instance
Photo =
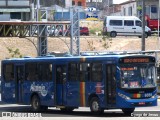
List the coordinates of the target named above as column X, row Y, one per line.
column 107, row 41
column 94, row 30
column 91, row 45
column 14, row 53
column 52, row 12
column 139, row 8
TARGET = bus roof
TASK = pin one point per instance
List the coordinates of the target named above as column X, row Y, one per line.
column 73, row 58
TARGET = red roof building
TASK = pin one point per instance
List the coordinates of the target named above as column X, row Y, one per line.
column 79, row 3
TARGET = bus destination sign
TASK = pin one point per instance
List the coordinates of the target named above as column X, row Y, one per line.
column 137, row 60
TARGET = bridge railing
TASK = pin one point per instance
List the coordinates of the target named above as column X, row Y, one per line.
column 34, row 29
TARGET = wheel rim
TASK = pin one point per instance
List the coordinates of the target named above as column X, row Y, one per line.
column 95, row 106
column 113, row 34
column 146, row 35
column 35, row 104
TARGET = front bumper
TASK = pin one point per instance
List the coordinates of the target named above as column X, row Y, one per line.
column 131, row 103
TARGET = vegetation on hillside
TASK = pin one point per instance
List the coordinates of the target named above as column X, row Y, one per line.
column 14, row 53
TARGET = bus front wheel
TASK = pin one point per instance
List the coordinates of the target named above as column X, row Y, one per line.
column 128, row 111
column 35, row 103
column 95, row 106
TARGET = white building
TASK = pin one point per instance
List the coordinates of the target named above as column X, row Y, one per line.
column 129, row 8
column 134, row 8
column 151, row 8
column 15, row 9
column 68, row 3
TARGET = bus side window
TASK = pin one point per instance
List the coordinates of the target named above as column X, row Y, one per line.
column 50, row 72
column 31, row 71
column 32, row 76
column 96, row 72
column 61, row 74
column 8, row 72
column 73, row 72
column 84, row 72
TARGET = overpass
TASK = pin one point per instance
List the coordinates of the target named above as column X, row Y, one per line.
column 31, row 28
column 38, row 29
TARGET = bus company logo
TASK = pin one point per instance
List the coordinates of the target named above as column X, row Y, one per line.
column 6, row 114
column 13, row 114
column 39, row 88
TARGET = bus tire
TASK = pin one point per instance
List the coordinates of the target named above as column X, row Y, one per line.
column 113, row 34
column 128, row 111
column 95, row 106
column 35, row 103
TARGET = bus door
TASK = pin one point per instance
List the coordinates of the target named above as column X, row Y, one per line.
column 8, row 83
column 60, row 84
column 111, row 85
column 19, row 77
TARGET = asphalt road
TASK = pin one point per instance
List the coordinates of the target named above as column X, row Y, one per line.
column 22, row 110
column 81, row 113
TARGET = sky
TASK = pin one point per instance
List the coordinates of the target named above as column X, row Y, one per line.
column 119, row 1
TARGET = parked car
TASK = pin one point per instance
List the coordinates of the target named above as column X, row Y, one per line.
column 83, row 31
column 52, row 31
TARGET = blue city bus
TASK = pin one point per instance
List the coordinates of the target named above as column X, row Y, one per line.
column 99, row 82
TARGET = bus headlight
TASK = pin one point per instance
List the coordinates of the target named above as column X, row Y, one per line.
column 124, row 96
column 154, row 96
column 128, row 98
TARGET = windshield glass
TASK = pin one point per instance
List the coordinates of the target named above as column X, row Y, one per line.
column 137, row 76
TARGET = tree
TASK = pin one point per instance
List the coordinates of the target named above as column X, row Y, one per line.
column 14, row 53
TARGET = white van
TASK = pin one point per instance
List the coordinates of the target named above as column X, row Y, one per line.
column 124, row 25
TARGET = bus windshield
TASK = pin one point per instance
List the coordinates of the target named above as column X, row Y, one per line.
column 137, row 76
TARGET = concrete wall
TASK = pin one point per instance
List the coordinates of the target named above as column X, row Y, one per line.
column 65, row 16
column 126, row 9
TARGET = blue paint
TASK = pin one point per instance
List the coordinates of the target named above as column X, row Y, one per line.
column 67, row 93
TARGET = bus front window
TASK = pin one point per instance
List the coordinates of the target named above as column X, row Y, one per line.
column 137, row 76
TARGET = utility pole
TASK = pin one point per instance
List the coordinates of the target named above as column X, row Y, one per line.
column 158, row 25
column 38, row 6
column 143, row 25
column 108, row 12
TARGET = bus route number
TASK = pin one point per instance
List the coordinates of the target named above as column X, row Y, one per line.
column 148, row 95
